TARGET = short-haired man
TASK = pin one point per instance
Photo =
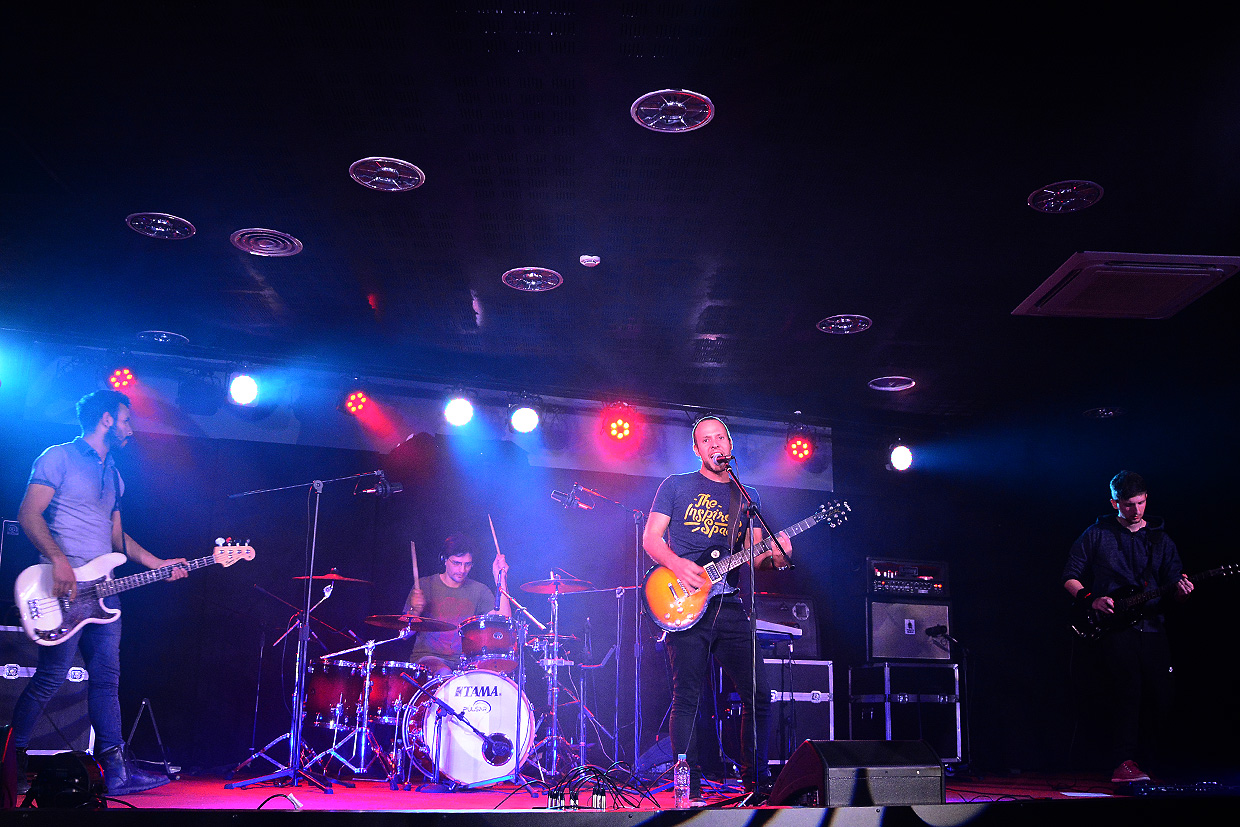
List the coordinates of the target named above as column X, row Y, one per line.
column 697, row 511
column 71, row 513
column 453, row 597
column 1125, row 550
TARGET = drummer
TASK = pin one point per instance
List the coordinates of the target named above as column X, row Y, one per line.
column 453, row 597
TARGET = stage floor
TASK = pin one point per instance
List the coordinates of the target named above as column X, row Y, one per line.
column 209, row 793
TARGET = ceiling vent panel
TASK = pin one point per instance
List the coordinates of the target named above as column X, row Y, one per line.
column 1127, row 285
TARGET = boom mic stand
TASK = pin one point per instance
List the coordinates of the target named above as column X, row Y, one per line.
column 639, row 517
column 296, row 772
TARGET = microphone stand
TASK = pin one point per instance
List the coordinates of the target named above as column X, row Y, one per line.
column 639, row 518
column 296, row 772
column 753, row 512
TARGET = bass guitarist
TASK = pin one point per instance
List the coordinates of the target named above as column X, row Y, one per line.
column 71, row 513
column 1125, row 552
column 699, row 511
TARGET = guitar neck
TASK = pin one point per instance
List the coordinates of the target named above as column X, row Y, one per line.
column 742, row 557
column 142, row 578
column 1141, row 598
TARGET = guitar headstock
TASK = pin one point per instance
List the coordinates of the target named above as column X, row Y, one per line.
column 835, row 513
column 227, row 555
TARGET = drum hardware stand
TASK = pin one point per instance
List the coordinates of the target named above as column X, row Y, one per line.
column 146, row 707
column 498, row 744
column 296, row 771
column 363, row 740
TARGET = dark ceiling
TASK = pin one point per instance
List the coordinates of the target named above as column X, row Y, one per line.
column 871, row 161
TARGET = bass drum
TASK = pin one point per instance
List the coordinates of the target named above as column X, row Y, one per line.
column 492, row 704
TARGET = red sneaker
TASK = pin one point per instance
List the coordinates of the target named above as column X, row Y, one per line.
column 1128, row 773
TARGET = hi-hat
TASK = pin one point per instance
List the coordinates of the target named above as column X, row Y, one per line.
column 332, row 577
column 418, row 624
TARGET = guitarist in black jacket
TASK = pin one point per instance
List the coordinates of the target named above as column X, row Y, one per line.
column 1125, row 553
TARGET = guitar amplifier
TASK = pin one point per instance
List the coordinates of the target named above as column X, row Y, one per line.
column 65, row 723
column 791, row 610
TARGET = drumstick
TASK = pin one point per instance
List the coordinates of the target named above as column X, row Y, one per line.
column 498, row 553
column 413, row 553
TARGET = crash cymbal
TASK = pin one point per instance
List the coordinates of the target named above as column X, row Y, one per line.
column 418, row 624
column 558, row 585
column 333, row 577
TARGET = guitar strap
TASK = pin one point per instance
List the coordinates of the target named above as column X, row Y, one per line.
column 116, row 486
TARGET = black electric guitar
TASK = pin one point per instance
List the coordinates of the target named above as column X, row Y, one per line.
column 1130, row 602
column 673, row 607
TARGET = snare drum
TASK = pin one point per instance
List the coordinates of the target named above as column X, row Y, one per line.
column 389, row 692
column 489, row 642
column 333, row 693
column 490, row 702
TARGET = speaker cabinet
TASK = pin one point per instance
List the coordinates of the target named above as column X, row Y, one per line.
column 65, row 722
column 897, row 631
column 860, row 774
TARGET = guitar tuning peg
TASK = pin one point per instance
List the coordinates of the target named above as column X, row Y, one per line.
column 219, row 541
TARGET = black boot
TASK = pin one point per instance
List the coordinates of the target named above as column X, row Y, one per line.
column 123, row 778
column 23, row 772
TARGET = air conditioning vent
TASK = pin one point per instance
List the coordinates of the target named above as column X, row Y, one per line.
column 1127, row 285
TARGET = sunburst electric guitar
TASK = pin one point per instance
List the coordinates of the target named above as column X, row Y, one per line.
column 50, row 620
column 674, row 608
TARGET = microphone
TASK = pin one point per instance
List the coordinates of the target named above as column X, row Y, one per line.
column 719, row 459
column 935, row 631
column 570, row 499
column 382, row 488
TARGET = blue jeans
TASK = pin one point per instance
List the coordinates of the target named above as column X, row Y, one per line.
column 722, row 632
column 101, row 650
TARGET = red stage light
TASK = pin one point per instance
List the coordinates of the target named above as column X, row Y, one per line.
column 121, row 379
column 800, row 443
column 355, row 402
column 621, row 427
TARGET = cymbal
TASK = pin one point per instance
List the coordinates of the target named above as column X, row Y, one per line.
column 333, row 577
column 558, row 585
column 418, row 624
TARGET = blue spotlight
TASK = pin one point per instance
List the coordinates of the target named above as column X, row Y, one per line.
column 242, row 389
column 901, row 457
column 523, row 417
column 459, row 411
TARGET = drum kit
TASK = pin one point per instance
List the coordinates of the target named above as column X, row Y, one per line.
column 472, row 726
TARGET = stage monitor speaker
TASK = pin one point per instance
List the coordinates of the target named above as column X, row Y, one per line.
column 897, row 631
column 860, row 774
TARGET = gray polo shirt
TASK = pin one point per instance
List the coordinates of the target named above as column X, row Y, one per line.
column 80, row 513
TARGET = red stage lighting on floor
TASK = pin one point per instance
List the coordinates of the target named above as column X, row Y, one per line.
column 355, row 403
column 122, row 379
column 799, row 444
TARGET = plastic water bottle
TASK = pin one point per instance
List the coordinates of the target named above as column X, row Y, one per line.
column 680, row 780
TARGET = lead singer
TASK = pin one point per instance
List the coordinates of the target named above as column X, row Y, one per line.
column 698, row 511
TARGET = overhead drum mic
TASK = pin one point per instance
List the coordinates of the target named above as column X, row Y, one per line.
column 382, row 488
column 569, row 499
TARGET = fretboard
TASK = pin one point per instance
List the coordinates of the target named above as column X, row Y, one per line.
column 142, row 578
column 745, row 555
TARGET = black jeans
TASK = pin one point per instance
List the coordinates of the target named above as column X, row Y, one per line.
column 722, row 632
column 1140, row 693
